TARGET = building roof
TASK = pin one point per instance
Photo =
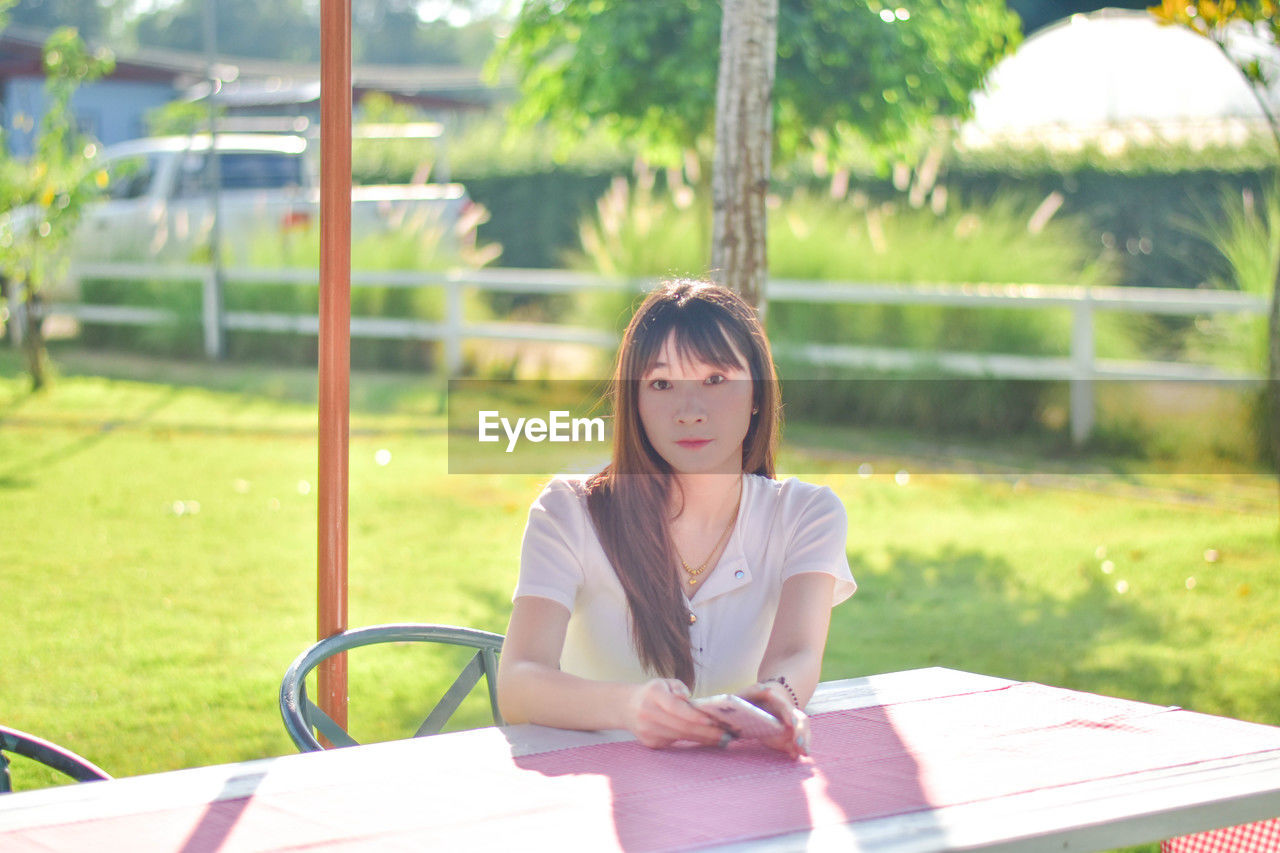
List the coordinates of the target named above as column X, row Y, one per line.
column 271, row 82
column 1119, row 67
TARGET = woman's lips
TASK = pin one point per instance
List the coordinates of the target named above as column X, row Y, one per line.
column 693, row 443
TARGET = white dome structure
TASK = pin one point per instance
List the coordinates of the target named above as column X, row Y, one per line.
column 1119, row 69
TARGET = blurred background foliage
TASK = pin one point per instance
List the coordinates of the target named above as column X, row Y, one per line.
column 384, row 31
column 1136, row 216
column 1137, row 202
column 410, row 246
column 870, row 182
column 858, row 72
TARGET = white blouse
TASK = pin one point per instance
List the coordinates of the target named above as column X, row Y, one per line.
column 784, row 528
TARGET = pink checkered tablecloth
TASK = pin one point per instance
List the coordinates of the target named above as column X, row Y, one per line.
column 897, row 759
column 1260, row 837
column 469, row 792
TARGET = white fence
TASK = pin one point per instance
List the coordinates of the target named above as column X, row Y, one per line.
column 1081, row 367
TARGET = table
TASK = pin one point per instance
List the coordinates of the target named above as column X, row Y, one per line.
column 930, row 759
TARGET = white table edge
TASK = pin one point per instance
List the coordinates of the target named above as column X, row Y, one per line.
column 213, row 783
column 1127, row 810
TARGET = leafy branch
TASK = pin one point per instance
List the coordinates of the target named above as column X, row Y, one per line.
column 1221, row 21
column 44, row 194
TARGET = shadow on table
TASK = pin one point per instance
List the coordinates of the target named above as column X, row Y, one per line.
column 221, row 815
column 687, row 797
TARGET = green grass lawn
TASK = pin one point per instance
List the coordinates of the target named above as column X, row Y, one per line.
column 157, row 555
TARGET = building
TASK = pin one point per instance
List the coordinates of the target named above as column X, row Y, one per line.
column 1117, row 75
column 115, row 108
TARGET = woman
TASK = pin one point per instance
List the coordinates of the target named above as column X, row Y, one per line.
column 683, row 568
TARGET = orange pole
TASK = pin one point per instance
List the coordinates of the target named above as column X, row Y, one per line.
column 335, row 341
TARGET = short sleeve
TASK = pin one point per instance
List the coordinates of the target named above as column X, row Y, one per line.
column 551, row 553
column 817, row 542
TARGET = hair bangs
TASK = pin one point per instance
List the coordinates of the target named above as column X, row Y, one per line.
column 698, row 335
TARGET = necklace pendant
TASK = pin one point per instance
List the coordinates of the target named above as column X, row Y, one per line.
column 693, row 581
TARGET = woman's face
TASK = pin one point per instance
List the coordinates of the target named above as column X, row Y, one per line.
column 696, row 415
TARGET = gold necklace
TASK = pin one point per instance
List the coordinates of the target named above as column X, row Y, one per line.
column 733, row 517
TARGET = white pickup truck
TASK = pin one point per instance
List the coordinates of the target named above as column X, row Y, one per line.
column 159, row 200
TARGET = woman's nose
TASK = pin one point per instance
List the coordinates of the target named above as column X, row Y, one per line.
column 690, row 408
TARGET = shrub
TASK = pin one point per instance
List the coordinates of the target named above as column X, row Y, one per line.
column 1248, row 237
column 637, row 232
column 412, row 245
column 183, row 338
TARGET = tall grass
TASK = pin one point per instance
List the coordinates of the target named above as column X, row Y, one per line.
column 637, row 231
column 820, row 238
column 413, row 243
column 641, row 233
column 1248, row 237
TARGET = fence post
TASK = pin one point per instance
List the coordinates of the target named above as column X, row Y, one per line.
column 211, row 313
column 453, row 331
column 1082, row 368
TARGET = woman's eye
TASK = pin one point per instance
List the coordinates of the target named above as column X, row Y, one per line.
column 715, row 379
column 659, row 384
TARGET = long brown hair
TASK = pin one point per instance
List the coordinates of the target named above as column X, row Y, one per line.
column 629, row 499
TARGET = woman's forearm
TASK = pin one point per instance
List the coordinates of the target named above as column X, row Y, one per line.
column 530, row 692
column 801, row 669
column 799, row 634
column 533, row 689
column 657, row 712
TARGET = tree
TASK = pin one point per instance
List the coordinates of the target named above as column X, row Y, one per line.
column 281, row 29
column 45, row 193
column 856, row 69
column 91, row 18
column 391, row 32
column 1219, row 22
column 848, row 73
column 383, row 31
column 744, row 145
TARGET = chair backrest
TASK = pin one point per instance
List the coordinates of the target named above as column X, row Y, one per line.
column 49, row 754
column 301, row 715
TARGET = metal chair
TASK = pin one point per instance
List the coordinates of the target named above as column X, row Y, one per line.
column 49, row 754
column 301, row 715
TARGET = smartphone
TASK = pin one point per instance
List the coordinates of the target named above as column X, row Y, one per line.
column 739, row 717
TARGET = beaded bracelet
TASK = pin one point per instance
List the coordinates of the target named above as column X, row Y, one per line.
column 787, row 687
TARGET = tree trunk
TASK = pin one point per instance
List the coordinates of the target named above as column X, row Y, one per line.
column 33, row 337
column 744, row 146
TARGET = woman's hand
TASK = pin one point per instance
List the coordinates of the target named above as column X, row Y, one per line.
column 659, row 714
column 774, row 698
